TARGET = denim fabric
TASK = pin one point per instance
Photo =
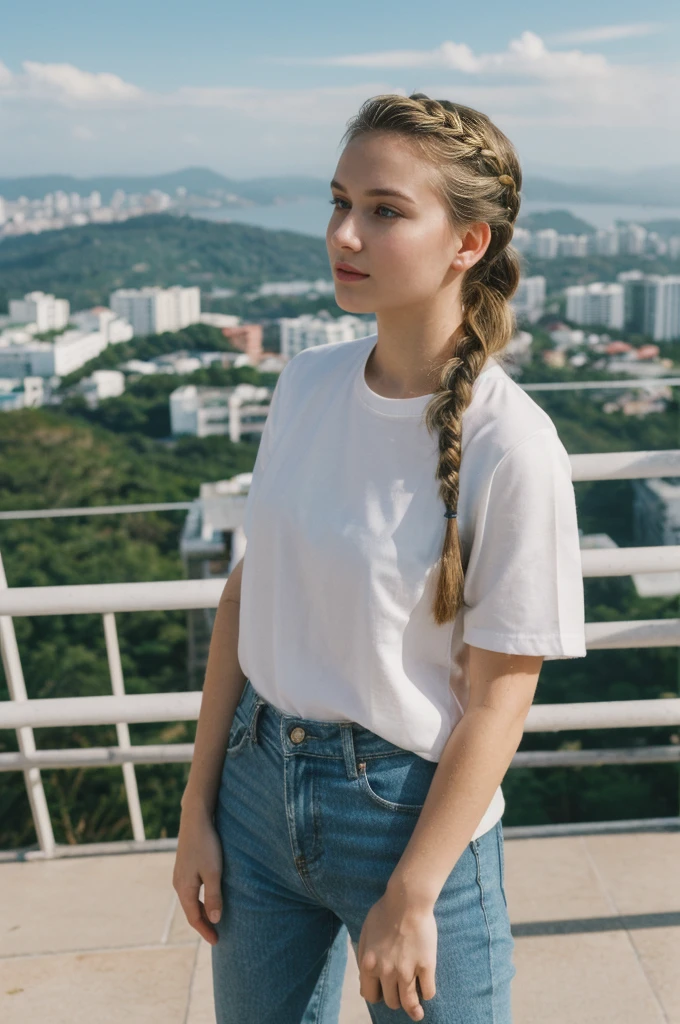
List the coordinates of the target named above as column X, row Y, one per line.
column 311, row 832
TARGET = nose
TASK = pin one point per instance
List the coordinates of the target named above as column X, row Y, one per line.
column 345, row 236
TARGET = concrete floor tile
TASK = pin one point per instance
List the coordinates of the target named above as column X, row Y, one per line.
column 640, row 870
column 137, row 986
column 551, row 879
column 659, row 952
column 201, row 1002
column 592, row 978
column 76, row 903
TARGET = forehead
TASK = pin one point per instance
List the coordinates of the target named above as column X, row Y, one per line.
column 386, row 160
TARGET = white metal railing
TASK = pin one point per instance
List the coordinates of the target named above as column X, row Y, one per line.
column 24, row 715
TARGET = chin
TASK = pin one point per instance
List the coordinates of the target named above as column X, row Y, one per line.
column 350, row 307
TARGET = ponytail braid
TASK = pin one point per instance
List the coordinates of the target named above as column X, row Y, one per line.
column 479, row 178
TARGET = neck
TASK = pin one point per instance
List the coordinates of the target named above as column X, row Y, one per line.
column 412, row 347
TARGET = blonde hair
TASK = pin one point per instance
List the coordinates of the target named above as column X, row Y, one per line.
column 478, row 176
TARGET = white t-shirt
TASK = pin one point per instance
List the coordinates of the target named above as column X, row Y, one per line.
column 344, row 525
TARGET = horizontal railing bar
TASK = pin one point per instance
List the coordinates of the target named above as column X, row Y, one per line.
column 594, row 757
column 52, row 712
column 171, row 595
column 95, row 510
column 125, row 846
column 99, row 757
column 582, row 385
column 625, row 465
column 84, row 598
column 584, row 828
column 182, row 753
column 91, row 849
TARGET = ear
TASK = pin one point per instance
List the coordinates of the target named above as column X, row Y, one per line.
column 474, row 242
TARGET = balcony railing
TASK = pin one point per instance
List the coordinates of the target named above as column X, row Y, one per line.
column 121, row 709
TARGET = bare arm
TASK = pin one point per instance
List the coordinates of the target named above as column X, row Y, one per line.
column 222, row 689
column 473, row 764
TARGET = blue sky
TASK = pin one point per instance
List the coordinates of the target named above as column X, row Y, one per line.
column 267, row 88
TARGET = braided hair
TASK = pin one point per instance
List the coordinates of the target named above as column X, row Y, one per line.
column 478, row 176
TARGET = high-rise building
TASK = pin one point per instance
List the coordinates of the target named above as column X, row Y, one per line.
column 306, row 331
column 546, row 244
column 598, row 304
column 652, row 304
column 529, row 299
column 154, row 310
column 48, row 313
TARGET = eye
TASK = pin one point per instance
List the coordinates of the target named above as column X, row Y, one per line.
column 337, row 199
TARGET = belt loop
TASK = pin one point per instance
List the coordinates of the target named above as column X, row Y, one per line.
column 348, row 750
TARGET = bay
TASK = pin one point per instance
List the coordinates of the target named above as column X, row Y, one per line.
column 311, row 216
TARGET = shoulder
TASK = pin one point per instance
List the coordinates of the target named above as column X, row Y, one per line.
column 504, row 422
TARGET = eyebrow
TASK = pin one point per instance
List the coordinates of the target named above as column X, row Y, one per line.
column 376, row 191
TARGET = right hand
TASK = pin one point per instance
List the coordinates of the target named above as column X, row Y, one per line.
column 198, row 861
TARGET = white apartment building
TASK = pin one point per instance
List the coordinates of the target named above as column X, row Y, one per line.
column 607, row 242
column 101, row 384
column 662, row 307
column 546, row 244
column 307, row 331
column 231, row 411
column 66, row 353
column 155, row 310
column 573, row 245
column 597, row 304
column 529, row 299
column 115, row 329
column 48, row 313
column 652, row 304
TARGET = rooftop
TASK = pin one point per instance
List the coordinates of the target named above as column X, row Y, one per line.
column 95, row 932
column 595, row 917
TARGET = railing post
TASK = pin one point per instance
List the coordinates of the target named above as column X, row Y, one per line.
column 122, row 730
column 17, row 692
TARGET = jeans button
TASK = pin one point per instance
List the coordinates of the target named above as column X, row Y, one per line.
column 297, row 734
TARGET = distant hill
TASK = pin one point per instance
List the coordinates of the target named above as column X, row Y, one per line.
column 655, row 186
column 197, row 180
column 85, row 264
column 561, row 220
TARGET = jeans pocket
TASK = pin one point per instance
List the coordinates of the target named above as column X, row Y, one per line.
column 240, row 732
column 396, row 782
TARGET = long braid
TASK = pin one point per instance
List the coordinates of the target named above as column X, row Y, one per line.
column 480, row 178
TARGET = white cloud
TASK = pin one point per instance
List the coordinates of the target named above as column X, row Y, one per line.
column 606, row 33
column 65, row 83
column 82, row 133
column 527, row 55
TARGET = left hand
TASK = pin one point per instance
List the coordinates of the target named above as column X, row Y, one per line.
column 397, row 948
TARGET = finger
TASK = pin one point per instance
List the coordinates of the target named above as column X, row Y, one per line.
column 212, row 897
column 426, row 983
column 390, row 987
column 370, row 988
column 194, row 911
column 409, row 999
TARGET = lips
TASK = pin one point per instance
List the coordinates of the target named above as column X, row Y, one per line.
column 346, row 269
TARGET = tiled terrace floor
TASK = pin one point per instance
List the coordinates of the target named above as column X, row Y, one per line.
column 102, row 939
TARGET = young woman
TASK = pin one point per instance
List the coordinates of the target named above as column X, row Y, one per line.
column 412, row 557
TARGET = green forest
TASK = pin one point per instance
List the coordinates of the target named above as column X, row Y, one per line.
column 85, row 264
column 122, row 452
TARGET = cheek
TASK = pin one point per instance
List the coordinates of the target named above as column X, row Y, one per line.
column 414, row 260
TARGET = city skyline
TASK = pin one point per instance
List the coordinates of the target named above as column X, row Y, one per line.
column 269, row 92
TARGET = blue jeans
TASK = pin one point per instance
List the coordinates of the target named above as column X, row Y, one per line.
column 313, row 817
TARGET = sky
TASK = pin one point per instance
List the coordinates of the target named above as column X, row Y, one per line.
column 265, row 89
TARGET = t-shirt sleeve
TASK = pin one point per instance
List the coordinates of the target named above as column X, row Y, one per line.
column 271, row 430
column 523, row 589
